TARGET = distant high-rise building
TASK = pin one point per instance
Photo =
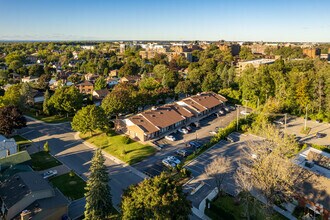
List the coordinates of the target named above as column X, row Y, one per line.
column 312, row 52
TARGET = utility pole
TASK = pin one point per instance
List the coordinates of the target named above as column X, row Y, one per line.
column 306, row 117
column 246, row 101
column 237, row 117
column 285, row 118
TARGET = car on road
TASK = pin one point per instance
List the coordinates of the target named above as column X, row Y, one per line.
column 183, row 130
column 230, row 139
column 170, row 138
column 182, row 153
column 168, row 163
column 244, row 112
column 173, row 159
column 49, row 174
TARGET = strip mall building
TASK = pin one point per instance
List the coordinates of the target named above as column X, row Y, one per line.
column 163, row 120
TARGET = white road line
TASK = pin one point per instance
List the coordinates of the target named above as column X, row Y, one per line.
column 26, row 133
column 72, row 143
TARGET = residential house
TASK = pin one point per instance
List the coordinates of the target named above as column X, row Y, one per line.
column 29, row 79
column 28, row 196
column 21, row 157
column 99, row 95
column 112, row 81
column 91, row 77
column 130, row 79
column 38, row 96
column 114, row 73
column 85, row 87
column 7, row 146
column 160, row 121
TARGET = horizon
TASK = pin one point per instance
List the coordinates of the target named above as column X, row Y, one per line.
column 145, row 20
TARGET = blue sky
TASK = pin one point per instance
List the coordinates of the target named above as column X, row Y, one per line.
column 238, row 20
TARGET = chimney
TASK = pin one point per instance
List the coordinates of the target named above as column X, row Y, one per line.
column 8, row 152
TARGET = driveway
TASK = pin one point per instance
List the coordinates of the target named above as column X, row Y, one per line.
column 152, row 166
column 76, row 155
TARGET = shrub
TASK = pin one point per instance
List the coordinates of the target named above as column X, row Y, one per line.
column 46, row 147
column 126, row 140
column 71, row 173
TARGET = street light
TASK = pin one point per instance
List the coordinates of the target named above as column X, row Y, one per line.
column 237, row 115
column 306, row 117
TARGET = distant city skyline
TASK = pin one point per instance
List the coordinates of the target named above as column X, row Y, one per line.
column 211, row 20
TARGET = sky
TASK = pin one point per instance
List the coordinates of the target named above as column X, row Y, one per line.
column 231, row 20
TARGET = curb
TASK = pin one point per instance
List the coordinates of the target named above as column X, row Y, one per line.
column 42, row 122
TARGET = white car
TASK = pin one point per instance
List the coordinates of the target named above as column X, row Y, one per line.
column 168, row 163
column 170, row 138
column 49, row 174
column 183, row 130
column 244, row 113
column 188, row 128
column 173, row 159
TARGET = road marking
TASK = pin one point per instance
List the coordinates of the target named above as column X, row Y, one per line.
column 72, row 143
column 26, row 133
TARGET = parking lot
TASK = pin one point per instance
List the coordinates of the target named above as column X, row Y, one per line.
column 295, row 125
column 233, row 151
column 153, row 165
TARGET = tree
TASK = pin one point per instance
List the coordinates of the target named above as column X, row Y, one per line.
column 155, row 198
column 46, row 147
column 45, row 106
column 149, row 84
column 270, row 170
column 26, row 96
column 89, row 118
column 100, row 83
column 218, row 170
column 246, row 53
column 12, row 95
column 36, row 70
column 98, row 196
column 211, row 83
column 11, row 118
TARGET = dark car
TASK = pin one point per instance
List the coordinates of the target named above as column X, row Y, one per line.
column 320, row 135
column 182, row 153
column 195, row 144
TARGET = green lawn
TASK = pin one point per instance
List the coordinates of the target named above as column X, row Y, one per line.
column 43, row 160
column 49, row 119
column 224, row 207
column 113, row 144
column 21, row 141
column 72, row 187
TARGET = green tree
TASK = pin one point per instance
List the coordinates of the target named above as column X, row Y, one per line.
column 246, row 53
column 11, row 118
column 46, row 147
column 100, row 83
column 211, row 83
column 98, row 196
column 45, row 105
column 12, row 95
column 149, row 84
column 89, row 119
column 155, row 198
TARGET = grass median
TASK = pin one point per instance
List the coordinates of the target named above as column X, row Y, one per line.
column 49, row 119
column 120, row 146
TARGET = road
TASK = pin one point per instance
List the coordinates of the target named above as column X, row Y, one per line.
column 76, row 155
column 153, row 166
column 233, row 151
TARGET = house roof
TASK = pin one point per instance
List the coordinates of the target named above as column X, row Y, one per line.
column 85, row 83
column 6, row 143
column 208, row 100
column 102, row 93
column 144, row 124
column 15, row 188
column 19, row 157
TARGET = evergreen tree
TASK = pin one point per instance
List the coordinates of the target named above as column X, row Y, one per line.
column 98, row 196
column 46, row 147
column 45, row 106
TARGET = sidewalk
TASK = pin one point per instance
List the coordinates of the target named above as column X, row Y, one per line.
column 40, row 121
column 114, row 159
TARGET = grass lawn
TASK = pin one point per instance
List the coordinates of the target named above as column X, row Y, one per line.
column 21, row 142
column 224, row 207
column 72, row 187
column 49, row 119
column 43, row 160
column 113, row 144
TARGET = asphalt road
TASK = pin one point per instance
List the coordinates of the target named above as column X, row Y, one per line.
column 152, row 165
column 233, row 151
column 76, row 155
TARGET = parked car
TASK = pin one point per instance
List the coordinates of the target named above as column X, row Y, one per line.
column 222, row 112
column 170, row 138
column 168, row 163
column 49, row 174
column 244, row 112
column 188, row 128
column 195, row 144
column 183, row 130
column 232, row 108
column 182, row 153
column 230, row 139
column 173, row 159
column 213, row 132
column 320, row 135
column 226, row 109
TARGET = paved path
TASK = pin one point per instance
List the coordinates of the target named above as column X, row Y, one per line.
column 76, row 155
